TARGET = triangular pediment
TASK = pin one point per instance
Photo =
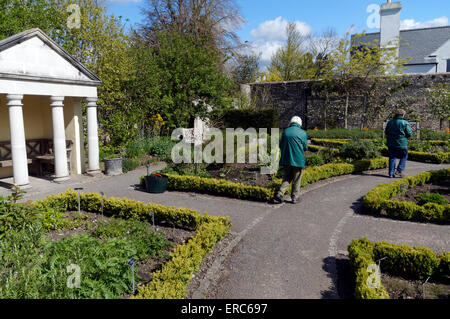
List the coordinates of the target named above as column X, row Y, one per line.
column 33, row 55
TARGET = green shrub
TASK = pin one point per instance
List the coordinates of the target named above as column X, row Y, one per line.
column 244, row 191
column 20, row 262
column 171, row 281
column 314, row 160
column 13, row 215
column 399, row 260
column 431, row 198
column 433, row 135
column 329, row 142
column 103, row 264
column 378, row 199
column 53, row 219
column 129, row 164
column 184, row 261
column 359, row 149
column 146, row 241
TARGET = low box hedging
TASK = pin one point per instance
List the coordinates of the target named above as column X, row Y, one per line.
column 436, row 158
column 401, row 260
column 329, row 142
column 378, row 200
column 243, row 191
column 171, row 281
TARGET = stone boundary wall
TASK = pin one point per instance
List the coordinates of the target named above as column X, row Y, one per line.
column 303, row 98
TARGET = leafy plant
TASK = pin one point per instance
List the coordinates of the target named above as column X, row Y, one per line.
column 53, row 219
column 358, row 149
column 431, row 198
column 314, row 160
column 146, row 241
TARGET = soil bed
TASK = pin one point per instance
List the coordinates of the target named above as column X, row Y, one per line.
column 88, row 222
column 442, row 188
column 400, row 288
column 240, row 173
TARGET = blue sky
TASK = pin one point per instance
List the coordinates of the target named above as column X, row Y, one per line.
column 266, row 19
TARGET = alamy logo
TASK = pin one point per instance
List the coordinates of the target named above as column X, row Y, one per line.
column 373, row 20
column 74, row 20
column 374, row 278
column 74, row 280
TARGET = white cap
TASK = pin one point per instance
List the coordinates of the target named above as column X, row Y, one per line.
column 296, row 119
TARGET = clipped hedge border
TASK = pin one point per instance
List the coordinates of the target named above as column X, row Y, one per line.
column 330, row 142
column 378, row 199
column 171, row 281
column 436, row 158
column 402, row 260
column 242, row 191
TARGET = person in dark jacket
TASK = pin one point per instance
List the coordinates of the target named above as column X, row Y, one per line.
column 397, row 132
column 293, row 145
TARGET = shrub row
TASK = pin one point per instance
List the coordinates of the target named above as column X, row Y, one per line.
column 401, row 260
column 378, row 199
column 340, row 133
column 329, row 142
column 436, row 158
column 171, row 281
column 243, row 191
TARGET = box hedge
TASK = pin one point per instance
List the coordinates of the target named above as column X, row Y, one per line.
column 378, row 200
column 243, row 191
column 399, row 260
column 171, row 281
column 436, row 158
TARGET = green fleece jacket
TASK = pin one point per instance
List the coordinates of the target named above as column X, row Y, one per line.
column 294, row 143
column 397, row 132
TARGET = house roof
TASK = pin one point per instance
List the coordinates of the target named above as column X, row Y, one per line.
column 418, row 44
column 32, row 55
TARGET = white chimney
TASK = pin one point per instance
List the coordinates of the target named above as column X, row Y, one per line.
column 390, row 23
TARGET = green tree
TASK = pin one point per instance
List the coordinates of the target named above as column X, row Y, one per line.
column 184, row 77
column 288, row 61
column 361, row 69
column 438, row 97
column 20, row 15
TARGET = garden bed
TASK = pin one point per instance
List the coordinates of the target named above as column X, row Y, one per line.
column 223, row 187
column 101, row 246
column 414, row 194
column 403, row 269
column 401, row 288
column 380, row 200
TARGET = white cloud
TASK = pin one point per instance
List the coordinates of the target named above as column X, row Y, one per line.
column 270, row 36
column 412, row 24
column 275, row 30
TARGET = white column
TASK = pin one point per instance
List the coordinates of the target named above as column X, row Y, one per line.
column 18, row 146
column 92, row 130
column 59, row 138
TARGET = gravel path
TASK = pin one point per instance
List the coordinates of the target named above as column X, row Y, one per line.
column 284, row 251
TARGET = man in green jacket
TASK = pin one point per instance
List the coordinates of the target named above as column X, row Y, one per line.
column 397, row 132
column 293, row 145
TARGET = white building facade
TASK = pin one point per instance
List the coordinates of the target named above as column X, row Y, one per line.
column 41, row 92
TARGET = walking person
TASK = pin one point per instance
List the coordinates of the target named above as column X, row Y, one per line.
column 397, row 132
column 293, row 145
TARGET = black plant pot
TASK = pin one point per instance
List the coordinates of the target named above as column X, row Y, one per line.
column 113, row 166
column 156, row 183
